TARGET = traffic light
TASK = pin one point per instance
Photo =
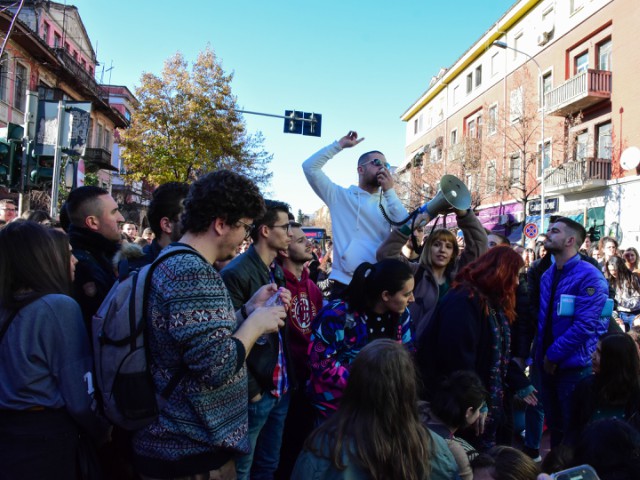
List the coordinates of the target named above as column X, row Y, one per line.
column 11, row 155
column 42, row 173
column 313, row 127
column 293, row 122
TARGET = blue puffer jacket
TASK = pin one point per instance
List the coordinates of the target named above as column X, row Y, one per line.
column 574, row 337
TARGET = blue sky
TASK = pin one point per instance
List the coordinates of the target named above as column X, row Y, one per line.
column 359, row 64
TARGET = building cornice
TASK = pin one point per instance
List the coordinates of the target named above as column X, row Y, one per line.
column 514, row 15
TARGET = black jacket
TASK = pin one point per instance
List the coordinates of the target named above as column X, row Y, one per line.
column 95, row 274
column 243, row 277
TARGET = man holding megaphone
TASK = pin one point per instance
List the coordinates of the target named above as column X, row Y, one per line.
column 357, row 222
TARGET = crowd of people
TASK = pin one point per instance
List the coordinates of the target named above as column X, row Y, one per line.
column 392, row 354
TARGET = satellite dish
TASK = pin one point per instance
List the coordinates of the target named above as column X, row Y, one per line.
column 630, row 158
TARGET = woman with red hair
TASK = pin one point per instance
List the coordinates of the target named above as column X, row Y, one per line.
column 471, row 331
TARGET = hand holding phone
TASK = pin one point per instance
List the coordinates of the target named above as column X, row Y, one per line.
column 582, row 472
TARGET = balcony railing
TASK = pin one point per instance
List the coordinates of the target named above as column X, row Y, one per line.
column 99, row 158
column 579, row 92
column 80, row 74
column 579, row 173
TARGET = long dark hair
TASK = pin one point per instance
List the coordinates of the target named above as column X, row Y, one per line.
column 492, row 278
column 618, row 380
column 32, row 264
column 377, row 423
column 626, row 279
column 370, row 280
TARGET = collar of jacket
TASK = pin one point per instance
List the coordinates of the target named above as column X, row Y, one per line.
column 94, row 242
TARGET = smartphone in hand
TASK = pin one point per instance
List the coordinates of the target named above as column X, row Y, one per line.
column 583, row 472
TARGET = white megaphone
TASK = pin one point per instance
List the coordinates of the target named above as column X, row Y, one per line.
column 453, row 193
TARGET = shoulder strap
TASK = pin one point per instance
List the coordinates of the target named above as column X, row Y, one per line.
column 7, row 323
column 175, row 379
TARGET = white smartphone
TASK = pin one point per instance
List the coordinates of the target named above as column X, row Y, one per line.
column 583, row 472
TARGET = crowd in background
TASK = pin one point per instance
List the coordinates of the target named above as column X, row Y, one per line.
column 409, row 352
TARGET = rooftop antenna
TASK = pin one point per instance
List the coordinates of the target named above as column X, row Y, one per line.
column 103, row 72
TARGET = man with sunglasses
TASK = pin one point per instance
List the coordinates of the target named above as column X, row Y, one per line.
column 358, row 225
column 269, row 362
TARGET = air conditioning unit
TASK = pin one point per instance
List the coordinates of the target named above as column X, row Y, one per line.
column 543, row 38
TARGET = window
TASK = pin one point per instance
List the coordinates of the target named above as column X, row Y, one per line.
column 516, row 45
column 493, row 119
column 471, row 128
column 455, row 95
column 57, row 40
column 83, row 62
column 415, row 126
column 478, row 75
column 495, row 68
column 45, row 32
column 469, row 82
column 547, row 84
column 604, row 55
column 454, row 136
column 20, row 87
column 547, row 157
column 471, row 182
column 581, row 63
column 127, row 114
column 515, row 167
column 516, row 104
column 108, row 140
column 75, row 55
column 582, row 142
column 67, row 47
column 576, row 5
column 491, row 176
column 4, row 74
column 604, row 141
column 99, row 136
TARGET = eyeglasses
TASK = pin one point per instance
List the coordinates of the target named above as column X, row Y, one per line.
column 377, row 163
column 9, row 209
column 248, row 228
column 286, row 226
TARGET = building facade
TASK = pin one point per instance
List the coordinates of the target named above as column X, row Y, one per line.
column 49, row 52
column 548, row 93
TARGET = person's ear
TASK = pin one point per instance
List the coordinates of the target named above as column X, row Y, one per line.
column 92, row 222
column 385, row 295
column 218, row 225
column 469, row 413
column 166, row 225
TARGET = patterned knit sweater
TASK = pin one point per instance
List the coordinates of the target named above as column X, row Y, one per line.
column 190, row 323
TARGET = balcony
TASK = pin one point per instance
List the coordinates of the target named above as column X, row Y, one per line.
column 79, row 75
column 99, row 159
column 579, row 175
column 579, row 92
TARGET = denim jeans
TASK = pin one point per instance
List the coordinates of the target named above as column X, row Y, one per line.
column 266, row 424
column 627, row 318
column 557, row 392
column 534, row 416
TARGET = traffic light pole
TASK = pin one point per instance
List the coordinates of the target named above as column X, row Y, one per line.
column 57, row 161
column 314, row 121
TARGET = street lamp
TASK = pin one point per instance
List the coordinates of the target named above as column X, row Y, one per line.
column 504, row 46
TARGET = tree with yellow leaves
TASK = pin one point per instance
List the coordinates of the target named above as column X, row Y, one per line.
column 186, row 124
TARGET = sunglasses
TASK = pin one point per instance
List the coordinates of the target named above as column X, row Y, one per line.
column 378, row 163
